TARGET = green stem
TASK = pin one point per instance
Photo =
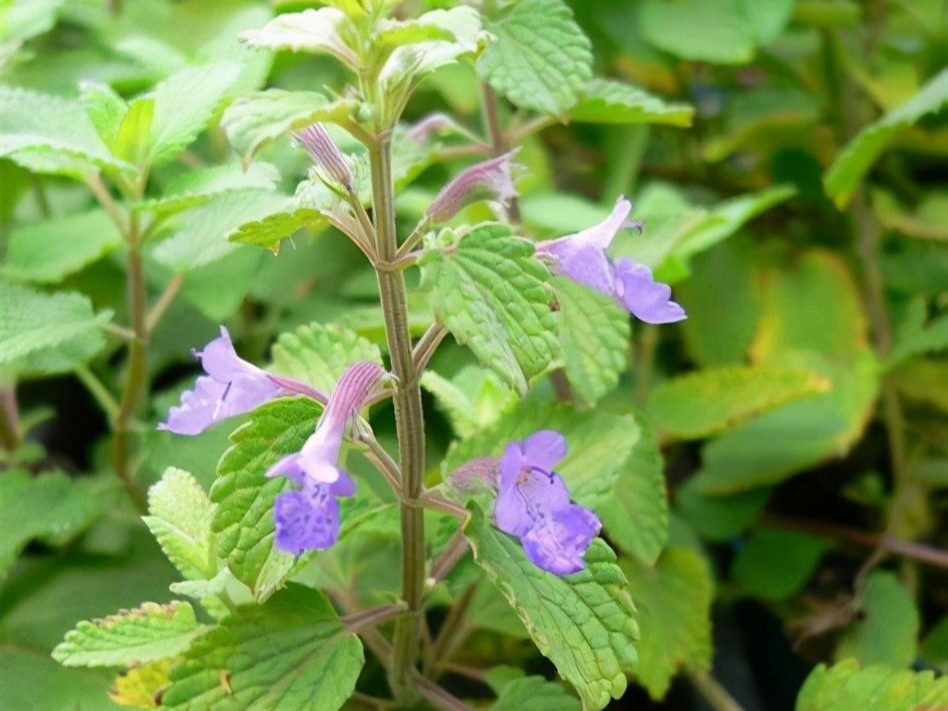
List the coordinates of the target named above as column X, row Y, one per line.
column 9, row 418
column 716, row 695
column 409, row 417
column 98, row 390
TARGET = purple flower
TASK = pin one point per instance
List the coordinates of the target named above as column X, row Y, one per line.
column 308, row 518
column 329, row 159
column 533, row 504
column 493, row 177
column 582, row 257
column 231, row 387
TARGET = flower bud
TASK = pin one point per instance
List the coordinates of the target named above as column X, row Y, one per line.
column 494, row 176
column 317, row 141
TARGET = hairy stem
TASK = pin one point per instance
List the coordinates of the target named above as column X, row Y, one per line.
column 409, row 417
column 9, row 418
column 98, row 390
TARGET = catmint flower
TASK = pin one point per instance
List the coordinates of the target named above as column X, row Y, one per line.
column 533, row 504
column 231, row 387
column 308, row 518
column 329, row 159
column 582, row 257
column 493, row 177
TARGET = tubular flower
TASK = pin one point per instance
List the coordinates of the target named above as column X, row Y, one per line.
column 533, row 504
column 493, row 177
column 582, row 257
column 231, row 387
column 329, row 159
column 308, row 518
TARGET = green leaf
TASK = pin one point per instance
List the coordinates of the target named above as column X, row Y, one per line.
column 34, row 122
column 608, row 101
column 846, row 687
column 179, row 517
column 674, row 604
column 51, row 507
column 635, row 516
column 888, row 626
column 284, row 217
column 198, row 187
column 718, row 518
column 130, row 637
column 774, row 564
column 133, row 138
column 184, row 104
column 915, row 337
column 584, row 623
column 715, row 400
column 244, row 495
column 861, row 152
column 926, row 221
column 141, row 687
column 534, row 693
column 24, row 19
column 202, row 239
column 323, row 31
column 489, row 291
column 290, row 654
column 474, row 399
column 540, row 59
column 599, row 443
column 258, row 118
column 34, row 681
column 50, row 250
column 318, row 354
column 703, row 30
column 105, row 108
column 32, row 322
column 594, row 338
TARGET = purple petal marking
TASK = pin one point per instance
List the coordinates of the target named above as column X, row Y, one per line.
column 646, row 299
column 534, row 505
column 231, row 387
column 493, row 177
column 308, row 518
column 330, row 160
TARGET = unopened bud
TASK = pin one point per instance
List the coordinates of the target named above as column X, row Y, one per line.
column 494, row 176
column 329, row 159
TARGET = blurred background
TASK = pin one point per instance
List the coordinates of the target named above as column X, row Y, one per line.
column 792, row 182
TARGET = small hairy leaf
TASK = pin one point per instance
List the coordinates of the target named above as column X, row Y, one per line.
column 473, row 399
column 145, row 634
column 594, row 337
column 861, row 152
column 608, row 101
column 584, row 623
column 290, row 654
column 179, row 517
column 714, row 400
column 244, row 496
column 317, row 354
column 674, row 604
column 886, row 631
column 540, row 59
column 534, row 693
column 284, row 217
column 489, row 291
column 200, row 186
column 326, row 30
column 847, row 687
column 50, row 250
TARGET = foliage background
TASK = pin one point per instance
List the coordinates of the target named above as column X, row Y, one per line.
column 801, row 231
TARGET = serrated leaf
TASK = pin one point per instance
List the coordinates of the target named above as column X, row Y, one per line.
column 179, row 517
column 203, row 236
column 105, row 109
column 635, row 516
column 540, row 59
column 474, row 399
column 51, row 507
column 254, row 120
column 318, row 354
column 145, row 634
column 714, row 400
column 847, row 687
column 140, row 687
column 887, row 629
column 32, row 322
column 184, row 104
column 852, row 163
column 584, row 623
column 244, row 495
column 534, row 693
column 133, row 142
column 326, row 30
column 290, row 654
column 198, row 187
column 674, row 604
column 612, row 102
column 774, row 564
column 915, row 337
column 283, row 218
column 489, row 292
column 30, row 121
column 594, row 338
column 599, row 443
column 50, row 250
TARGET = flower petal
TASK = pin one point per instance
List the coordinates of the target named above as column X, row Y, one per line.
column 306, row 519
column 545, row 449
column 559, row 542
column 646, row 299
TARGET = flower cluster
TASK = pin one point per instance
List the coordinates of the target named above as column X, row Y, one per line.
column 582, row 257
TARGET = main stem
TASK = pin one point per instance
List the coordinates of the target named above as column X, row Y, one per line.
column 409, row 417
column 137, row 365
